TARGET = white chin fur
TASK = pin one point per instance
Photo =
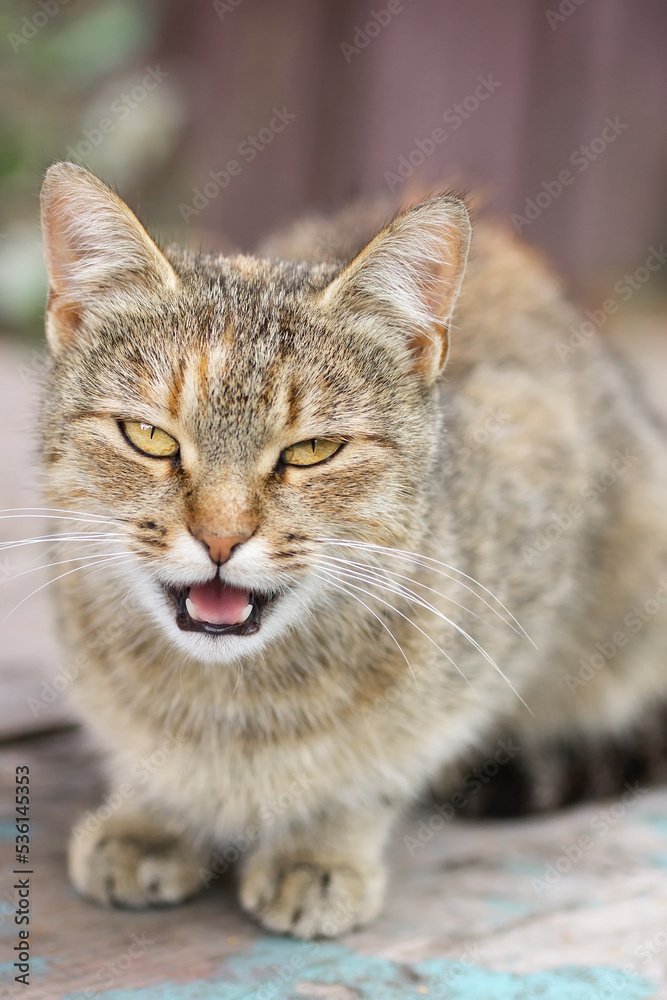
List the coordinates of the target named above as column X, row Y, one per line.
column 276, row 622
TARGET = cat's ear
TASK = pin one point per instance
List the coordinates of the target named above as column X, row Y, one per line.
column 96, row 251
column 408, row 279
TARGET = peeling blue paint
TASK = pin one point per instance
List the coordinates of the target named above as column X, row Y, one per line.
column 657, row 820
column 523, row 866
column 275, row 968
column 658, row 823
column 509, row 908
column 7, row 829
column 7, row 925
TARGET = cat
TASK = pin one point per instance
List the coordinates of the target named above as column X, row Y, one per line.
column 318, row 553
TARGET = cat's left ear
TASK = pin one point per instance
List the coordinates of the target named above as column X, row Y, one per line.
column 97, row 253
column 407, row 279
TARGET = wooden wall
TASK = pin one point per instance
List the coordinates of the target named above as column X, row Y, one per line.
column 557, row 71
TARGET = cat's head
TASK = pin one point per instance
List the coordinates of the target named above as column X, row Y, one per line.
column 232, row 417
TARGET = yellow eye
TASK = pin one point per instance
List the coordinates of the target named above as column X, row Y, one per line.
column 149, row 439
column 309, row 452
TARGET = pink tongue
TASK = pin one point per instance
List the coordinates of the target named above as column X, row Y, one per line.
column 219, row 603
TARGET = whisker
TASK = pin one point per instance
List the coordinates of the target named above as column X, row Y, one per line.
column 384, row 625
column 60, row 513
column 429, row 563
column 461, row 632
column 106, row 559
column 414, row 625
column 60, row 562
column 395, row 588
column 380, row 571
column 46, row 539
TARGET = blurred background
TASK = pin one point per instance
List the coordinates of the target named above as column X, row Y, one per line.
column 220, row 120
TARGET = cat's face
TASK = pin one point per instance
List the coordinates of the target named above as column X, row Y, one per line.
column 232, row 418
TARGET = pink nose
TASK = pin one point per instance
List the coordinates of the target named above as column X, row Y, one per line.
column 220, row 547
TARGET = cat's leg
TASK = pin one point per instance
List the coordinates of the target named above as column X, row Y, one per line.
column 323, row 880
column 130, row 859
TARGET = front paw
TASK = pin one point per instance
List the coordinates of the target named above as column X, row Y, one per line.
column 130, row 862
column 310, row 896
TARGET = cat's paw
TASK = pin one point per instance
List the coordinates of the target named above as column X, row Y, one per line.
column 132, row 864
column 309, row 896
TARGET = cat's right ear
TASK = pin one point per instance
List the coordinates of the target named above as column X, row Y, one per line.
column 97, row 252
column 405, row 283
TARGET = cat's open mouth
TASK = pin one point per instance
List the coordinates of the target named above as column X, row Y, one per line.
column 217, row 608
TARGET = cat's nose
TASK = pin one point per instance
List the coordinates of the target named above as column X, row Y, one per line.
column 220, row 547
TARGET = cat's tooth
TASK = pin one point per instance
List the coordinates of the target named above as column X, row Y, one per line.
column 245, row 614
column 191, row 610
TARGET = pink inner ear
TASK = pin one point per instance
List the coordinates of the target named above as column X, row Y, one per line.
column 411, row 272
column 63, row 320
column 57, row 250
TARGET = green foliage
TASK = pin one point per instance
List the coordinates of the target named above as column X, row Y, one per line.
column 99, row 41
column 56, row 62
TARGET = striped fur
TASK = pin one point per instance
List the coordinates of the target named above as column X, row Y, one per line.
column 434, row 585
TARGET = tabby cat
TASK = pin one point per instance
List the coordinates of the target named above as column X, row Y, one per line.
column 309, row 571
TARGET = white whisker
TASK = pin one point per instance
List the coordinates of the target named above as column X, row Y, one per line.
column 382, row 571
column 53, row 539
column 103, row 562
column 460, row 630
column 408, row 619
column 61, row 562
column 429, row 563
column 384, row 625
column 59, row 514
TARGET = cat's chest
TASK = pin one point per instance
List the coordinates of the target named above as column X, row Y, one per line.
column 226, row 782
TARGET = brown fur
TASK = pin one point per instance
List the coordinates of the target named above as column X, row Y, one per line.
column 347, row 702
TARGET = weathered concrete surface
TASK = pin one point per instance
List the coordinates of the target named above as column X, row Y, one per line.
column 480, row 911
